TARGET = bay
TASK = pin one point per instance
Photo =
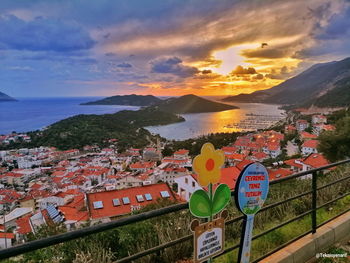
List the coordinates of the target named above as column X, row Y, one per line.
column 249, row 117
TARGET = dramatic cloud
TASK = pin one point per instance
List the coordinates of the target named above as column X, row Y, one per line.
column 239, row 70
column 168, row 47
column 124, row 65
column 173, row 65
column 42, row 34
column 206, row 71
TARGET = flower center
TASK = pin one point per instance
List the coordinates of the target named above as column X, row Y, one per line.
column 210, row 164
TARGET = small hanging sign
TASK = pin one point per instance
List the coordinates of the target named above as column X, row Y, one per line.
column 251, row 192
column 209, row 237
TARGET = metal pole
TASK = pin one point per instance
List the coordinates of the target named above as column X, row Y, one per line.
column 314, row 203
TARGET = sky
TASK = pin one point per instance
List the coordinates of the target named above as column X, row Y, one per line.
column 164, row 47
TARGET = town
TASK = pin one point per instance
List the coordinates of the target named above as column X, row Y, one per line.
column 76, row 187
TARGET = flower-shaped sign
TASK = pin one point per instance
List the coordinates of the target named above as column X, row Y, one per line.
column 208, row 166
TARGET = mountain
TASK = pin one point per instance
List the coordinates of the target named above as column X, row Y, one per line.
column 315, row 85
column 192, row 104
column 4, row 97
column 130, row 100
column 339, row 96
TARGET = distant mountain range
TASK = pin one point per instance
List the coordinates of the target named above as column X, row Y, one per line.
column 322, row 85
column 4, row 97
column 184, row 104
column 130, row 100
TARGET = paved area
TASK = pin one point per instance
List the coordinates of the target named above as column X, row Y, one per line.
column 292, row 149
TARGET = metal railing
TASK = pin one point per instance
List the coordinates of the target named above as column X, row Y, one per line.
column 64, row 237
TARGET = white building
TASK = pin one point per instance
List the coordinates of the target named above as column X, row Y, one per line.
column 186, row 185
column 309, row 147
column 6, row 240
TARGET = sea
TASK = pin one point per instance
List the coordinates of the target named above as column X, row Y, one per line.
column 29, row 114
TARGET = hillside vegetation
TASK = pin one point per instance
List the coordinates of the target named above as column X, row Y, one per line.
column 192, row 104
column 336, row 144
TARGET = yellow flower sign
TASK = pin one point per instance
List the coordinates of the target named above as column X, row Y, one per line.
column 208, row 165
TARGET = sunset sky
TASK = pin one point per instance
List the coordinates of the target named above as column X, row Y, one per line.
column 164, row 47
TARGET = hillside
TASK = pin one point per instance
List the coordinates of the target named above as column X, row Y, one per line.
column 81, row 130
column 4, row 97
column 130, row 100
column 317, row 81
column 337, row 97
column 192, row 104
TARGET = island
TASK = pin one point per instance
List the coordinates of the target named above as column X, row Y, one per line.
column 129, row 100
column 4, row 97
column 192, row 104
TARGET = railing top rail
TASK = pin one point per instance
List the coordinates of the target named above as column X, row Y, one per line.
column 56, row 239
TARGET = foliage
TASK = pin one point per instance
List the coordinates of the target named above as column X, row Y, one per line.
column 339, row 96
column 336, row 144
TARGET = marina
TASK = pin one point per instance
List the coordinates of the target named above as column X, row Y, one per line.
column 249, row 117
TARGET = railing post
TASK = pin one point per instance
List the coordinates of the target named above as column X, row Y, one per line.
column 314, row 202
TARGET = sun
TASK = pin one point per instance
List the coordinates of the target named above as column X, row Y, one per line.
column 231, row 58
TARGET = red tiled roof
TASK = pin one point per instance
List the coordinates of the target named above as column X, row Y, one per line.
column 74, row 214
column 181, row 152
column 329, row 127
column 307, row 135
column 140, row 165
column 7, row 235
column 292, row 162
column 59, row 173
column 260, row 155
column 310, row 144
column 229, row 176
column 23, row 225
column 243, row 164
column 109, row 210
column 273, row 146
column 11, row 174
column 279, row 173
column 236, row 156
column 315, row 160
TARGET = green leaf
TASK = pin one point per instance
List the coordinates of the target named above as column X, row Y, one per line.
column 221, row 198
column 200, row 204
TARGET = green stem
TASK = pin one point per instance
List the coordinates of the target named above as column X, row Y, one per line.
column 211, row 209
column 211, row 201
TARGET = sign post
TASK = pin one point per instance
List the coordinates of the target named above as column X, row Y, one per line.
column 209, row 237
column 251, row 192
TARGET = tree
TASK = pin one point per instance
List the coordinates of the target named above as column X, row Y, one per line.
column 336, row 144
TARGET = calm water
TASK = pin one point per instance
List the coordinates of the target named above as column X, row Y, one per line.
column 224, row 121
column 29, row 114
